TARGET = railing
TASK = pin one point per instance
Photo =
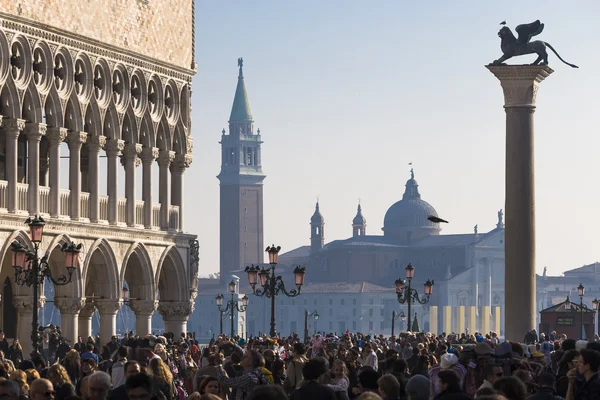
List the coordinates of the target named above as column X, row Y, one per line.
column 65, row 209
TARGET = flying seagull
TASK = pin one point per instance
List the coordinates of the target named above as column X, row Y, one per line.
column 435, row 219
column 503, row 23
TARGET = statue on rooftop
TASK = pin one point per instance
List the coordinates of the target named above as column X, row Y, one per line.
column 512, row 46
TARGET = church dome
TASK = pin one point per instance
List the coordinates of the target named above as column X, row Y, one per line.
column 359, row 219
column 410, row 213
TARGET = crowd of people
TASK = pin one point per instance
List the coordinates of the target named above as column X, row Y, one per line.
column 412, row 366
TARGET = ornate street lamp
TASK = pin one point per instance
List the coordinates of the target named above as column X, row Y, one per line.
column 595, row 304
column 581, row 292
column 273, row 285
column 407, row 295
column 232, row 305
column 307, row 316
column 30, row 270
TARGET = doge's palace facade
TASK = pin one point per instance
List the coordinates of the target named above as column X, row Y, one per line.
column 108, row 82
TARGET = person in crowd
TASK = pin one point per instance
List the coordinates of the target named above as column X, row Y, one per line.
column 418, row 387
column 210, row 384
column 57, row 374
column 42, row 389
column 130, row 368
column 269, row 392
column 21, row 378
column 118, row 368
column 511, row 387
column 493, row 372
column 72, row 364
column 389, row 387
column 587, row 367
column 252, row 376
column 294, row 368
column 9, row 390
column 89, row 353
column 162, row 377
column 15, row 352
column 449, row 385
column 99, row 385
column 312, row 388
column 339, row 382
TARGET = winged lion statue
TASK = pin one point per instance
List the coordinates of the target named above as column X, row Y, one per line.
column 517, row 46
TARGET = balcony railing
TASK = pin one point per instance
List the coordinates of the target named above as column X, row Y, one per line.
column 22, row 205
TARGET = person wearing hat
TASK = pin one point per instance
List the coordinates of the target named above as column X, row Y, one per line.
column 448, row 361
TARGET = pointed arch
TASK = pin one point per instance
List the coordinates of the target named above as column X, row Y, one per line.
column 32, row 107
column 93, row 119
column 147, row 135
column 56, row 260
column 130, row 129
column 171, row 276
column 163, row 136
column 112, row 128
column 144, row 286
column 179, row 139
column 109, row 279
column 73, row 119
column 53, row 109
column 9, row 100
column 21, row 236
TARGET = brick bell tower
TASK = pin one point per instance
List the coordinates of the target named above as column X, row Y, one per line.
column 241, row 184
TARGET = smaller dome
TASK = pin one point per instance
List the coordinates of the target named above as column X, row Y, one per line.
column 359, row 219
column 317, row 218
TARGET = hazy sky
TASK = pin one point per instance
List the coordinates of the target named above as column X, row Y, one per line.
column 347, row 93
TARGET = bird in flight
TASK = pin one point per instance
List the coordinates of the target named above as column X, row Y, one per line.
column 435, row 219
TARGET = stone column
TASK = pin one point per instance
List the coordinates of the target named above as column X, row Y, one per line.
column 94, row 144
column 433, row 320
column 485, row 319
column 12, row 129
column 497, row 319
column 165, row 158
column 34, row 133
column 44, row 162
column 69, row 316
column 130, row 161
column 175, row 314
column 85, row 320
column 25, row 308
column 447, row 319
column 113, row 147
column 55, row 138
column 520, row 84
column 472, row 319
column 182, row 161
column 143, row 310
column 75, row 140
column 149, row 155
column 461, row 319
column 108, row 318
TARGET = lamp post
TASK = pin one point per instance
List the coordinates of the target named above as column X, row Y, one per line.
column 581, row 292
column 307, row 316
column 273, row 285
column 232, row 305
column 402, row 317
column 407, row 295
column 31, row 270
column 393, row 321
column 595, row 304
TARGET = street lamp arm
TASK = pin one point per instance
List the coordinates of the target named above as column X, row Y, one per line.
column 46, row 272
column 280, row 287
column 238, row 307
column 416, row 298
column 265, row 292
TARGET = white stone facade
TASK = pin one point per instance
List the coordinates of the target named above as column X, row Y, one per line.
column 115, row 111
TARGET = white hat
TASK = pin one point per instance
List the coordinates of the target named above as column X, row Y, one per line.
column 448, row 360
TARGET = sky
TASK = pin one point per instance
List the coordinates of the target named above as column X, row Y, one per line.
column 348, row 93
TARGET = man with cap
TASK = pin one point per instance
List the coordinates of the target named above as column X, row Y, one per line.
column 448, row 361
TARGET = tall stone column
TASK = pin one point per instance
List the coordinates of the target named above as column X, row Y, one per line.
column 34, row 133
column 55, row 138
column 149, row 155
column 182, row 161
column 130, row 160
column 113, row 147
column 108, row 318
column 497, row 319
column 69, row 316
column 175, row 314
column 25, row 308
column 85, row 320
column 75, row 140
column 94, row 145
column 433, row 320
column 143, row 310
column 165, row 158
column 12, row 129
column 447, row 319
column 472, row 319
column 461, row 319
column 520, row 84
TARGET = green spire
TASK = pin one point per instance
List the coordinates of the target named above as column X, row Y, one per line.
column 240, row 111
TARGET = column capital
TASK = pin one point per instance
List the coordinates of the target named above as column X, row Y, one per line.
column 69, row 305
column 108, row 307
column 56, row 135
column 13, row 125
column 131, row 152
column 95, row 143
column 75, row 139
column 176, row 310
column 143, row 307
column 88, row 309
column 35, row 131
column 114, row 146
column 520, row 83
column 165, row 158
column 24, row 304
column 181, row 162
column 149, row 154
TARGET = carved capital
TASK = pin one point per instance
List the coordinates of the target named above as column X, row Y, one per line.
column 69, row 305
column 114, row 146
column 34, row 131
column 24, row 304
column 95, row 143
column 108, row 307
column 76, row 139
column 520, row 83
column 149, row 154
column 165, row 158
column 182, row 161
column 88, row 309
column 131, row 152
column 56, row 136
column 143, row 307
column 176, row 310
column 13, row 126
